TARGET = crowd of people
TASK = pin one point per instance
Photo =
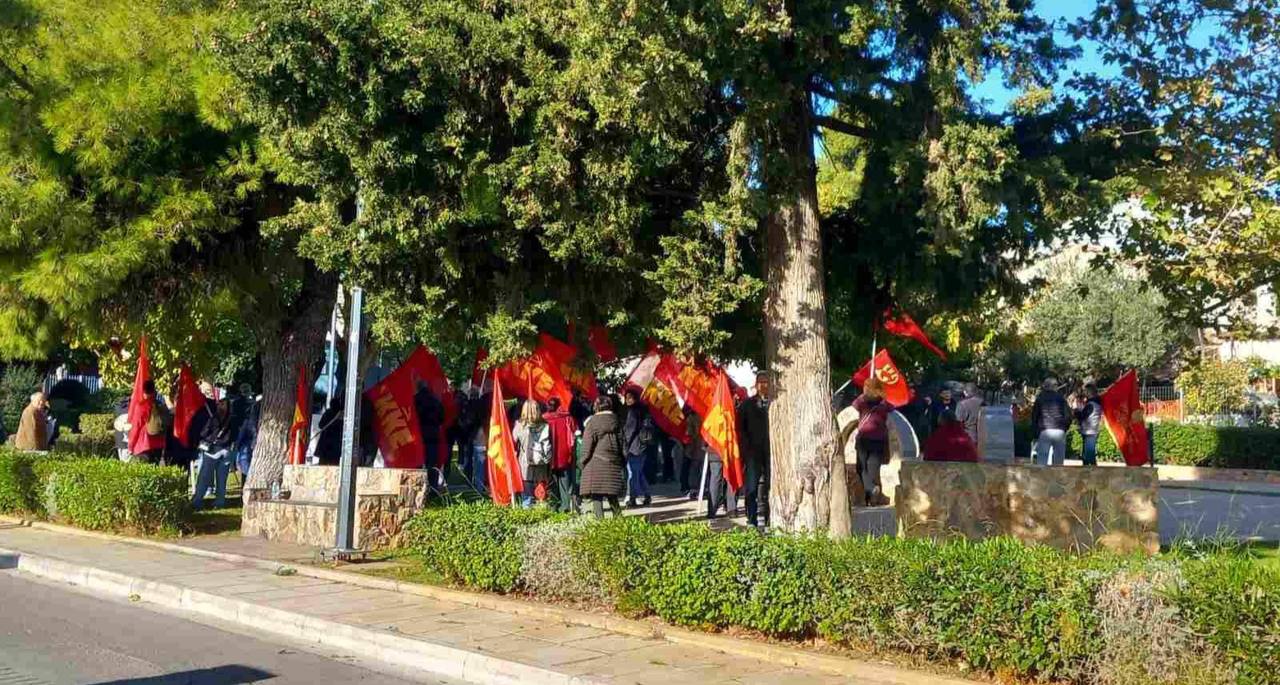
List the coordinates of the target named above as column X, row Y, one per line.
column 220, row 434
column 600, row 452
column 610, row 451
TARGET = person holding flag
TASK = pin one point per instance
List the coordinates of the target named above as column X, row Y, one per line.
column 720, row 435
column 603, row 462
column 872, row 443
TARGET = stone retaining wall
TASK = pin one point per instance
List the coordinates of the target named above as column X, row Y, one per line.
column 307, row 512
column 1065, row 507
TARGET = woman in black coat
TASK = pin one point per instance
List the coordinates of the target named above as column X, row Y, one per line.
column 604, row 468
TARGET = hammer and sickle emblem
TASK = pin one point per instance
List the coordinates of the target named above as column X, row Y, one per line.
column 887, row 375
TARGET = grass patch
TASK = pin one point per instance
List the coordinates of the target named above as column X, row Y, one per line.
column 401, row 565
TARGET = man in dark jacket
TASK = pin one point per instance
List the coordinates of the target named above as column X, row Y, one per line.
column 640, row 439
column 753, row 431
column 1089, row 418
column 218, row 429
column 430, row 412
column 1050, row 419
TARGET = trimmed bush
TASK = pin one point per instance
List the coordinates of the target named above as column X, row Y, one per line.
column 476, row 544
column 998, row 605
column 19, row 487
column 1194, row 445
column 98, row 494
column 1234, row 605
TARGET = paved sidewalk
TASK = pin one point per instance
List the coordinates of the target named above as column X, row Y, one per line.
column 449, row 638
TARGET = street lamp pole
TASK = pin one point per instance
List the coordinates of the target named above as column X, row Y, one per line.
column 346, row 534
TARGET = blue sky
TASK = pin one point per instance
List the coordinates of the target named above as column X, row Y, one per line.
column 1060, row 12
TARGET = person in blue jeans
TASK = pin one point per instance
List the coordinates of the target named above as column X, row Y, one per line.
column 217, row 434
column 640, row 439
column 246, row 439
column 1089, row 417
column 478, row 443
column 1050, row 419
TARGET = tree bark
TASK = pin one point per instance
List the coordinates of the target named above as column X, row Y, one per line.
column 296, row 339
column 795, row 316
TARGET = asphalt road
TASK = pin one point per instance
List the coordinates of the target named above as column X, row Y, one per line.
column 1204, row 512
column 50, row 635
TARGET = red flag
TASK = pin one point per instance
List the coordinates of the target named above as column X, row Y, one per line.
column 1122, row 409
column 583, row 379
column 896, row 390
column 598, row 338
column 720, row 431
column 187, row 401
column 505, row 479
column 667, row 372
column 300, row 429
column 699, row 387
column 663, row 398
column 537, row 375
column 425, row 366
column 642, row 374
column 901, row 324
column 140, row 409
column 395, row 420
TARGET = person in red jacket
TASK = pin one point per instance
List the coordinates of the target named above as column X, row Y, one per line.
column 950, row 442
column 563, row 429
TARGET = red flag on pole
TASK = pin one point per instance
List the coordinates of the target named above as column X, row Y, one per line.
column 300, row 429
column 505, row 479
column 188, row 400
column 896, row 390
column 901, row 324
column 537, row 376
column 395, row 420
column 598, row 338
column 663, row 399
column 720, row 431
column 564, row 354
column 1122, row 410
column 425, row 366
column 140, row 408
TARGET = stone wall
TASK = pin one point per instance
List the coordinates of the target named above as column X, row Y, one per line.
column 1064, row 507
column 306, row 512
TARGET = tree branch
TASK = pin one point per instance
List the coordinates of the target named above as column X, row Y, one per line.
column 841, row 126
column 17, row 78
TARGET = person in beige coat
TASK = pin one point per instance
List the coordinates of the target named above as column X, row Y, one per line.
column 33, row 427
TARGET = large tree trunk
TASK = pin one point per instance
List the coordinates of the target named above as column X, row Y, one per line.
column 296, row 339
column 801, row 425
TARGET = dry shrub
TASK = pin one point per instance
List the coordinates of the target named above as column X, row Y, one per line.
column 549, row 568
column 1142, row 639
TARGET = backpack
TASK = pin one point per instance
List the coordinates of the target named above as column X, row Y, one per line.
column 538, row 446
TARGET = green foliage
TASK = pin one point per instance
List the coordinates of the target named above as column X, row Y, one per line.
column 1185, row 444
column 17, row 382
column 98, row 494
column 95, row 439
column 1092, row 322
column 998, row 605
column 105, row 494
column 20, row 491
column 1234, row 604
column 477, row 545
column 1194, row 80
column 1214, row 386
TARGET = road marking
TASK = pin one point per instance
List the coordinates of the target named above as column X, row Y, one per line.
column 8, row 676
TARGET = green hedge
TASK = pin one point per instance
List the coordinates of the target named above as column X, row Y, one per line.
column 1194, row 445
column 95, row 439
column 98, row 494
column 1184, row 444
column 997, row 605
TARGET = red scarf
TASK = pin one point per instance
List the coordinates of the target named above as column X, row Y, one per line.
column 562, row 427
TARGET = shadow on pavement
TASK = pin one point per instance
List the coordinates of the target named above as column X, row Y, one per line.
column 233, row 674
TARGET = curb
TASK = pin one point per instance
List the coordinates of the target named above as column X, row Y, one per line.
column 865, row 671
column 442, row 660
